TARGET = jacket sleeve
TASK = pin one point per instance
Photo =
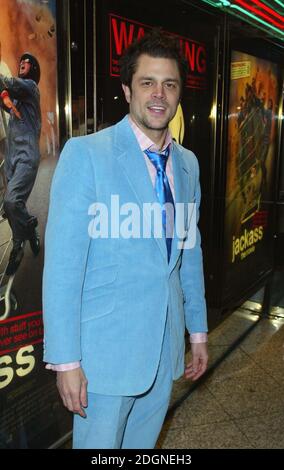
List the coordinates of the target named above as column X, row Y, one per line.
column 66, row 250
column 18, row 88
column 191, row 272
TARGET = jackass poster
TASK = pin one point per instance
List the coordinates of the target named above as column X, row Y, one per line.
column 30, row 413
column 252, row 146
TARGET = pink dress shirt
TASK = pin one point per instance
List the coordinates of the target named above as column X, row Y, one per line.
column 145, row 144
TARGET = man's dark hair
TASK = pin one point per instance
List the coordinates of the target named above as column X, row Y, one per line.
column 155, row 44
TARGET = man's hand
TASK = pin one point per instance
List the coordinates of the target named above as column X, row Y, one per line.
column 198, row 364
column 9, row 103
column 72, row 386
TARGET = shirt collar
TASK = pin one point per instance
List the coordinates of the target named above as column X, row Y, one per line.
column 145, row 143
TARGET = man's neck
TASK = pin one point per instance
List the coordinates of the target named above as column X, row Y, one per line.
column 156, row 136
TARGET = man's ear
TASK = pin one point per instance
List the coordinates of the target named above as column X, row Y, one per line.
column 127, row 92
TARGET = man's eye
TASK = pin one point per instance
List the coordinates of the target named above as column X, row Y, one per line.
column 170, row 85
column 148, row 83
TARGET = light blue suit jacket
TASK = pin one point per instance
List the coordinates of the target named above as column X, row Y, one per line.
column 105, row 300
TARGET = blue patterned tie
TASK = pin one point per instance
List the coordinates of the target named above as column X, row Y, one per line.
column 164, row 193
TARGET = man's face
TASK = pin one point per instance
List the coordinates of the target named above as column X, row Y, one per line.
column 24, row 68
column 155, row 93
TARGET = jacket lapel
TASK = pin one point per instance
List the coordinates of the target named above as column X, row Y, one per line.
column 181, row 183
column 132, row 161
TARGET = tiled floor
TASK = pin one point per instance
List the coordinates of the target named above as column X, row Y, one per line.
column 241, row 403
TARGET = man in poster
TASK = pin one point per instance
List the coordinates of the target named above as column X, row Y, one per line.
column 115, row 308
column 21, row 98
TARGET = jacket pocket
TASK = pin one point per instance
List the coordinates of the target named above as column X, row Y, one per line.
column 100, row 276
column 99, row 292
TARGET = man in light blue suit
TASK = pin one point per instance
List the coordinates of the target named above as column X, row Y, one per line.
column 119, row 290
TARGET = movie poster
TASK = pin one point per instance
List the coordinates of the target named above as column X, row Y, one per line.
column 30, row 413
column 252, row 146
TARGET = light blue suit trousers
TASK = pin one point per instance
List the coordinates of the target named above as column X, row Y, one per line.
column 127, row 422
